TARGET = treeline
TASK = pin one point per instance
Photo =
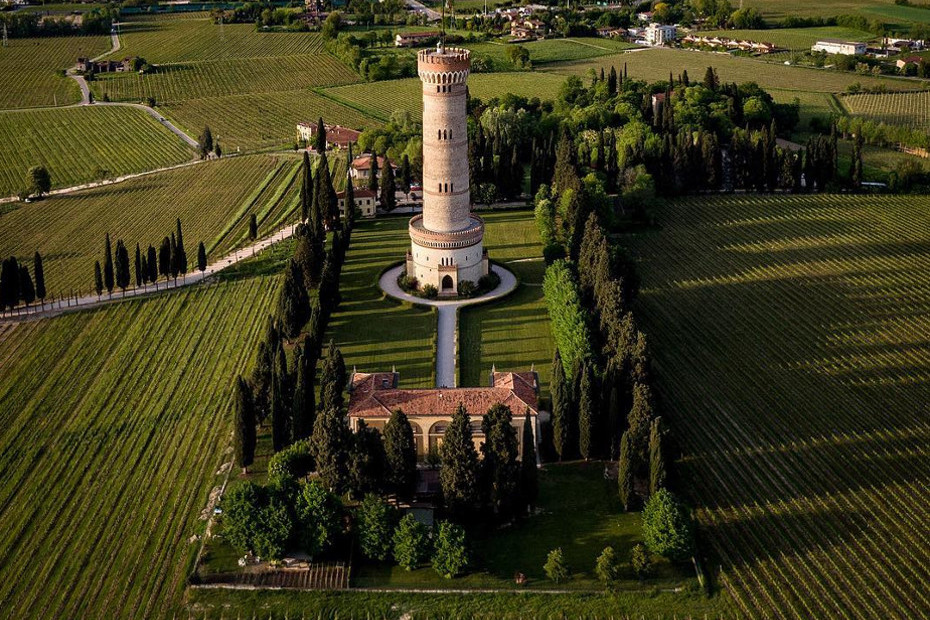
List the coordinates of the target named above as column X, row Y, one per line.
column 17, row 284
column 169, row 260
column 20, row 24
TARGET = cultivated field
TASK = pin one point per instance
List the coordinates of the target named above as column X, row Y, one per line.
column 29, row 69
column 779, row 9
column 380, row 99
column 550, row 50
column 83, row 144
column 112, row 424
column 69, row 230
column 513, row 333
column 791, row 336
column 373, row 332
column 911, row 109
column 799, row 39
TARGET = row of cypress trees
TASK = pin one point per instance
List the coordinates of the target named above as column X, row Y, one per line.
column 17, row 284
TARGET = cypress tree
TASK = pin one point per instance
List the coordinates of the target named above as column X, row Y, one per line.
column 40, row 276
column 459, row 472
column 350, row 203
column 327, row 201
column 388, row 187
column 98, row 279
column 589, row 427
column 201, row 257
column 138, row 266
column 152, row 263
column 333, row 379
column 562, row 425
column 253, row 227
column 710, row 79
column 245, row 426
column 280, row 401
column 108, row 279
column 330, row 447
column 855, row 165
column 639, row 421
column 182, row 253
column 27, row 291
column 373, row 172
column 658, row 474
column 625, row 472
column 164, row 258
column 293, row 302
column 406, row 179
column 401, row 453
column 304, row 408
column 500, row 471
column 612, row 81
column 529, row 475
column 319, row 144
column 565, row 175
column 122, row 266
column 173, row 262
column 306, row 188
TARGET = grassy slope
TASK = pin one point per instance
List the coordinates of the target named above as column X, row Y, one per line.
column 374, row 333
column 29, row 69
column 109, row 445
column 72, row 143
column 550, row 50
column 791, row 345
column 69, row 230
column 512, row 334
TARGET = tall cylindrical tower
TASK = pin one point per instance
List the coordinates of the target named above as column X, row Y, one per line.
column 446, row 241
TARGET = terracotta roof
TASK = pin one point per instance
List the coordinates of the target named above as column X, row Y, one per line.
column 362, row 192
column 335, row 134
column 370, row 398
column 363, row 162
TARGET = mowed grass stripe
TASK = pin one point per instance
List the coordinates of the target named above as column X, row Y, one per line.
column 144, row 438
column 818, row 370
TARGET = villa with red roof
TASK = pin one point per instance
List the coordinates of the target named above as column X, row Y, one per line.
column 374, row 396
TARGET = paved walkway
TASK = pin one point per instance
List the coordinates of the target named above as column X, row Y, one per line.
column 91, row 301
column 447, row 320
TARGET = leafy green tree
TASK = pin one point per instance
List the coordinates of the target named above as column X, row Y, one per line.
column 206, row 142
column 607, row 567
column 274, row 527
column 367, row 461
column 201, row 257
column 244, row 439
column 108, row 276
column 241, row 508
column 280, row 401
column 38, row 181
column 411, row 542
column 450, row 556
column 331, row 443
column 333, row 379
column 374, row 522
column 318, row 517
column 640, row 561
column 667, row 527
column 401, row 454
column 304, row 408
column 529, row 475
column 98, row 279
column 290, row 464
column 625, row 472
column 293, row 301
column 658, row 474
column 459, row 472
column 555, row 567
column 500, row 471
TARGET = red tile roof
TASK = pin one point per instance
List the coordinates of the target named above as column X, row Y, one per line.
column 363, row 162
column 362, row 192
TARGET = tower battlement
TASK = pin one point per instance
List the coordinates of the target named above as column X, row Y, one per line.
column 447, row 60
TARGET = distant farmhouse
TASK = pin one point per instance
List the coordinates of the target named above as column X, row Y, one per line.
column 730, row 44
column 337, row 136
column 361, row 167
column 839, row 46
column 660, row 34
column 86, row 65
column 365, row 202
column 527, row 29
column 413, row 39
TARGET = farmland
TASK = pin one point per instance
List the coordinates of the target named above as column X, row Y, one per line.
column 380, row 99
column 113, row 424
column 69, row 230
column 794, row 38
column 512, row 333
column 29, row 69
column 550, row 50
column 83, row 144
column 911, row 109
column 790, row 336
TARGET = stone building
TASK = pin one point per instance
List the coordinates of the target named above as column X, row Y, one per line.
column 366, row 202
column 373, row 397
column 447, row 239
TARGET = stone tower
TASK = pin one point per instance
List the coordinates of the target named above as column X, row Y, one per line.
column 446, row 241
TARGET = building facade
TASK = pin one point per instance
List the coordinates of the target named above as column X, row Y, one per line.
column 366, row 202
column 446, row 241
column 373, row 397
column 838, row 46
column 659, row 34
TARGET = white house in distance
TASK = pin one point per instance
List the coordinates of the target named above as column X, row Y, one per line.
column 660, row 34
column 366, row 201
column 360, row 169
column 839, row 46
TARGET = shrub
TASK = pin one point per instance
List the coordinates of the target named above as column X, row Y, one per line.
column 489, row 282
column 569, row 319
column 639, row 560
column 451, row 554
column 555, row 566
column 375, row 526
column 607, row 567
column 430, row 292
column 467, row 288
column 294, row 461
column 667, row 527
column 411, row 542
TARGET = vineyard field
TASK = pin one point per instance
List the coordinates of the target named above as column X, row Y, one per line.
column 194, row 39
column 29, row 69
column 256, row 121
column 83, row 144
column 69, row 230
column 113, row 424
column 779, row 9
column 910, row 109
column 380, row 99
column 551, row 50
column 790, row 342
column 180, row 82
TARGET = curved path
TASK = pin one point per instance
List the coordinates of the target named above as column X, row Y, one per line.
column 447, row 319
column 91, row 301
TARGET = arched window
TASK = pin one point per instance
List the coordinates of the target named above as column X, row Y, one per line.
column 440, row 187
column 439, row 134
column 437, row 89
column 453, row 187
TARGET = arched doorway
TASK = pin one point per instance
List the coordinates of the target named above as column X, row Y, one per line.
column 447, row 283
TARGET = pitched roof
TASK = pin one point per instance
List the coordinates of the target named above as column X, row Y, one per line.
column 363, row 162
column 361, row 192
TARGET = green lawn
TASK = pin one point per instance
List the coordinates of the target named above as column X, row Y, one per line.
column 113, row 424
column 513, row 333
column 373, row 332
column 83, row 144
column 549, row 50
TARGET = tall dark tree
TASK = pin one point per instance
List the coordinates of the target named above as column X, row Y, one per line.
column 244, row 439
column 280, row 401
column 406, row 176
column 401, row 450
column 625, row 472
column 264, row 369
column 306, row 187
column 710, row 79
column 658, row 470
column 9, row 283
column 500, row 471
column 333, row 379
column 39, row 272
column 253, row 227
column 138, row 266
column 174, row 266
column 201, row 257
column 164, row 258
column 367, row 462
column 459, row 474
column 205, row 142
column 151, row 262
column 639, row 421
column 319, row 144
column 590, row 429
column 122, row 266
column 108, row 276
column 565, row 175
column 388, row 187
column 27, row 291
column 293, row 301
column 304, row 407
column 373, row 172
column 326, row 199
column 529, row 475
column 330, row 446
column 182, row 253
column 855, row 165
column 98, row 279
column 563, row 426
column 350, row 203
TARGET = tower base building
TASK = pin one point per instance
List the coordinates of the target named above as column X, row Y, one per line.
column 446, row 241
